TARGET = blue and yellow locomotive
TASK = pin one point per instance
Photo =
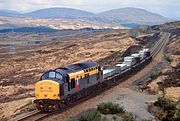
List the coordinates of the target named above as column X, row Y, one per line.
column 65, row 85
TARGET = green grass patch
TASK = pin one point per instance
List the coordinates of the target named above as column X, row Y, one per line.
column 110, row 108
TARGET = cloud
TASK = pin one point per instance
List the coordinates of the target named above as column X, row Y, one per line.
column 165, row 7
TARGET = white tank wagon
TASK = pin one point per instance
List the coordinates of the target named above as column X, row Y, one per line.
column 129, row 61
column 109, row 72
column 137, row 57
column 144, row 53
column 122, row 67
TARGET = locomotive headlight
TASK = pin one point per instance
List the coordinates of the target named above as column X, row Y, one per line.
column 37, row 95
column 41, row 87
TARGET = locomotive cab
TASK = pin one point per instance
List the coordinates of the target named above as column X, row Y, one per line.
column 48, row 89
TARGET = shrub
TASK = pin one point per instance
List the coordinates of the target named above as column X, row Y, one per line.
column 110, row 108
column 164, row 109
column 176, row 52
column 91, row 115
column 177, row 115
column 128, row 117
column 156, row 111
column 165, row 104
column 169, row 116
column 169, row 59
column 145, row 120
column 72, row 119
column 154, row 74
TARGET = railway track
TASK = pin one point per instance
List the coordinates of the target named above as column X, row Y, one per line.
column 35, row 117
column 31, row 116
column 160, row 44
column 38, row 115
column 164, row 44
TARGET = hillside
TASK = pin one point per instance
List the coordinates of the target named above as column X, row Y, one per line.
column 8, row 13
column 68, row 18
column 126, row 16
column 59, row 13
column 132, row 15
column 29, row 29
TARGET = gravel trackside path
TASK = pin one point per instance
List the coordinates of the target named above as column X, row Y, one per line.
column 134, row 102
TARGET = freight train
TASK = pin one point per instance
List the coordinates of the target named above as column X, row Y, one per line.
column 65, row 85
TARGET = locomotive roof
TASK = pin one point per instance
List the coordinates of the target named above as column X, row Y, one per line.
column 76, row 67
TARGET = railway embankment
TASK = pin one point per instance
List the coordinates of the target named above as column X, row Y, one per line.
column 115, row 94
column 164, row 77
column 159, row 65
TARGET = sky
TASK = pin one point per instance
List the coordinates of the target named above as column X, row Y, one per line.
column 167, row 8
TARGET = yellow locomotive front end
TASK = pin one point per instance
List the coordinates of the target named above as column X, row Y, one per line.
column 47, row 89
column 47, row 94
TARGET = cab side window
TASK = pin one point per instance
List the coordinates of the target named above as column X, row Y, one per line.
column 69, row 84
column 99, row 68
column 73, row 83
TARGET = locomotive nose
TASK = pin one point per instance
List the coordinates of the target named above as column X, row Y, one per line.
column 47, row 89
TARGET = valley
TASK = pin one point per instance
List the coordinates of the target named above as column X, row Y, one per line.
column 34, row 42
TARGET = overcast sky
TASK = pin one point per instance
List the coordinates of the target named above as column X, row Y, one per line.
column 168, row 8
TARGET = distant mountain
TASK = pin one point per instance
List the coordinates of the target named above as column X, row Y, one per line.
column 8, row 13
column 59, row 13
column 29, row 29
column 116, row 18
column 128, row 17
column 131, row 16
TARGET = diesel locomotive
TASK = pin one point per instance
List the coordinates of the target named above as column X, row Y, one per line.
column 60, row 86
